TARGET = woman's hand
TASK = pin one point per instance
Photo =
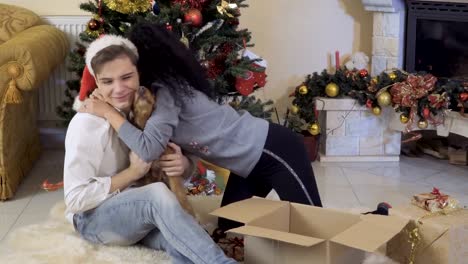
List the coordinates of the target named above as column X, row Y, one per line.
column 96, row 107
column 138, row 166
column 97, row 95
column 174, row 164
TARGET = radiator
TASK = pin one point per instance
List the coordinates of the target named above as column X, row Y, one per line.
column 52, row 91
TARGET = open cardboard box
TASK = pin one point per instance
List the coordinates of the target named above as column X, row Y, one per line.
column 284, row 232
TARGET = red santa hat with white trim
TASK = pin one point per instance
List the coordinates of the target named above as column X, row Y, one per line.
column 88, row 80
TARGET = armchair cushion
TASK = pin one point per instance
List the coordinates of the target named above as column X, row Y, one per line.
column 36, row 51
column 15, row 19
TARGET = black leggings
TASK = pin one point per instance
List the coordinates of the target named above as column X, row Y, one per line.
column 283, row 166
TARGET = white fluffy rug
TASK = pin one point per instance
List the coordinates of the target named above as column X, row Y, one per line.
column 55, row 242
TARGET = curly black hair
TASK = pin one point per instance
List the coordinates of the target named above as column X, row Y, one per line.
column 165, row 60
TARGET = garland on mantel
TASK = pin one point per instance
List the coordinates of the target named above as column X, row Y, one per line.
column 419, row 97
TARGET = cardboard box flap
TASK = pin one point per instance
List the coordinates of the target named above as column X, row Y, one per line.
column 290, row 238
column 247, row 210
column 371, row 233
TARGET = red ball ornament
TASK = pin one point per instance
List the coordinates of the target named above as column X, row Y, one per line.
column 426, row 112
column 194, row 17
column 363, row 73
column 463, row 97
column 94, row 24
column 168, row 26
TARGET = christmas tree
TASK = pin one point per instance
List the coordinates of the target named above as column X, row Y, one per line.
column 208, row 27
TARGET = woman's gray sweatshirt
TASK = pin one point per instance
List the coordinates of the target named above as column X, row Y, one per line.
column 216, row 133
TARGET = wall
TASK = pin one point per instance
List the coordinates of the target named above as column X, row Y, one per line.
column 50, row 7
column 297, row 36
column 294, row 36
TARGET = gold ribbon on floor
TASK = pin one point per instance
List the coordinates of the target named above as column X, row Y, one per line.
column 414, row 236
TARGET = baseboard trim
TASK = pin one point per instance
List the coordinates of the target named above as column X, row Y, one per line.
column 324, row 158
column 52, row 137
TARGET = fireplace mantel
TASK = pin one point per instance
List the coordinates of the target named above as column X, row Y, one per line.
column 383, row 5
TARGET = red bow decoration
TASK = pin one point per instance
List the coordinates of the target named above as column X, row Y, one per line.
column 245, row 84
column 438, row 100
column 440, row 197
column 408, row 92
column 436, row 191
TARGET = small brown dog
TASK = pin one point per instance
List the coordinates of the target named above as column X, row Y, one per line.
column 143, row 107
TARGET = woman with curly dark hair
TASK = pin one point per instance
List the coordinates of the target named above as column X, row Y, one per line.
column 260, row 155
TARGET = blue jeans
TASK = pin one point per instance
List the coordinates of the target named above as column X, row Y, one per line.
column 151, row 215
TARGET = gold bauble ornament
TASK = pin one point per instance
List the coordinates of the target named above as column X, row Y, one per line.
column 295, row 109
column 404, row 118
column 384, row 99
column 95, row 27
column 376, row 110
column 128, row 6
column 392, row 76
column 332, row 89
column 303, row 90
column 185, row 41
column 94, row 24
column 314, row 129
column 422, row 124
column 234, row 103
column 374, row 80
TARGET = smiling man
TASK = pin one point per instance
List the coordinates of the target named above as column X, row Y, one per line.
column 101, row 202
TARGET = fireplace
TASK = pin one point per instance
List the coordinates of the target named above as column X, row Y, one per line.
column 437, row 38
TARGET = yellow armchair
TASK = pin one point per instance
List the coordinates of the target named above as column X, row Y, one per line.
column 29, row 52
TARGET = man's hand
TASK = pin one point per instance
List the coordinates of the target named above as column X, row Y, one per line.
column 137, row 169
column 174, row 164
column 138, row 166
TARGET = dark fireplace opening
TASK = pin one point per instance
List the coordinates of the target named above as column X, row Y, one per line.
column 437, row 38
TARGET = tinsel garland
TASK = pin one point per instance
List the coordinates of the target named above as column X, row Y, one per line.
column 198, row 4
column 414, row 95
column 128, row 6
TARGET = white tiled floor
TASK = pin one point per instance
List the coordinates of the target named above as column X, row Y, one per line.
column 31, row 204
column 342, row 185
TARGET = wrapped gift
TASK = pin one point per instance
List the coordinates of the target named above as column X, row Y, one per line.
column 435, row 201
column 431, row 237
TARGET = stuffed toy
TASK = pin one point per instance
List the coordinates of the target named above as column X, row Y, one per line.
column 358, row 60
